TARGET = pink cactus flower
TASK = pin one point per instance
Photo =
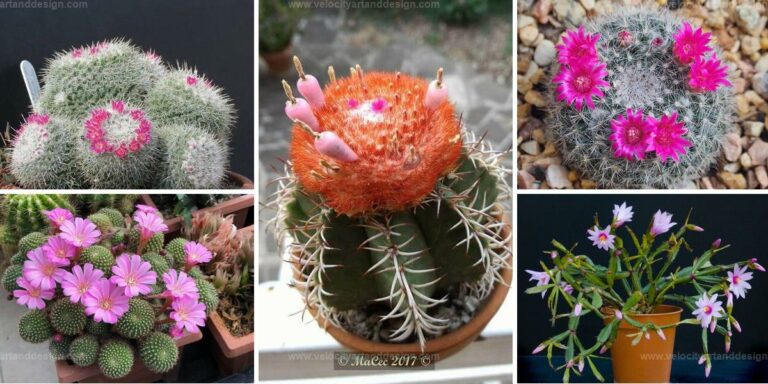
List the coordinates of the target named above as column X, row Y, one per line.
column 80, row 280
column 33, row 296
column 38, row 119
column 601, row 238
column 146, row 208
column 80, row 232
column 379, row 105
column 196, row 253
column 118, row 106
column 708, row 75
column 690, row 44
column 754, row 264
column 737, row 281
column 667, row 137
column 179, row 286
column 578, row 46
column 149, row 223
column 41, row 271
column 133, row 274
column 176, row 333
column 353, row 103
column 59, row 250
column 191, row 80
column 631, row 135
column 580, row 82
column 662, row 222
column 189, row 314
column 105, row 301
column 76, row 53
column 625, row 38
column 541, row 278
column 58, row 216
column 622, row 214
column 708, row 310
column 121, row 151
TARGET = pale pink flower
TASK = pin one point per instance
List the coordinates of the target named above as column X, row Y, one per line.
column 31, row 295
column 577, row 309
column 541, row 278
column 708, row 309
column 105, row 301
column 58, row 216
column 81, row 233
column 708, row 75
column 667, row 137
column 601, row 238
column 630, row 135
column 737, row 281
column 80, row 280
column 196, row 253
column 149, row 223
column 176, row 333
column 179, row 286
column 690, row 44
column 662, row 222
column 133, row 274
column 41, row 271
column 578, row 46
column 579, row 82
column 622, row 214
column 567, row 288
column 189, row 314
column 146, row 208
column 59, row 250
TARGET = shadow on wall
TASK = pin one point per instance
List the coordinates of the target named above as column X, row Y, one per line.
column 214, row 36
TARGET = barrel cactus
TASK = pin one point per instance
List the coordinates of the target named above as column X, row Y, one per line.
column 641, row 100
column 388, row 204
column 25, row 214
column 194, row 158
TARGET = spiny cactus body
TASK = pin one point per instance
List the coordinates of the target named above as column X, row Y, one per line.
column 79, row 79
column 644, row 77
column 400, row 211
column 95, row 202
column 158, row 352
column 25, row 213
column 84, row 350
column 194, row 158
column 43, row 154
column 116, row 358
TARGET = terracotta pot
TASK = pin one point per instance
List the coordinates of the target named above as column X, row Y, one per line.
column 232, row 353
column 443, row 346
column 237, row 206
column 70, row 373
column 278, row 62
column 650, row 361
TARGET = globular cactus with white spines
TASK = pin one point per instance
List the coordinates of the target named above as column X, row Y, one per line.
column 78, row 79
column 119, row 144
column 193, row 158
column 187, row 98
column 651, row 71
column 389, row 205
column 43, row 153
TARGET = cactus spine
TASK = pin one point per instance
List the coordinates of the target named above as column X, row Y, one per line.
column 25, row 214
column 43, row 153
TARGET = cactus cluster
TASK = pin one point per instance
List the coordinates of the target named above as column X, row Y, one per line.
column 112, row 116
column 389, row 205
column 24, row 214
column 102, row 289
column 641, row 100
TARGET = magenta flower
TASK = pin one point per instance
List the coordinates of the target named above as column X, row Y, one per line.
column 578, row 46
column 667, row 137
column 567, row 288
column 708, row 309
column 601, row 238
column 149, row 223
column 541, row 278
column 81, row 233
column 58, row 216
column 176, row 333
column 631, row 135
column 707, row 75
column 622, row 214
column 689, row 44
column 133, row 274
column 105, row 301
column 41, row 271
column 579, row 82
column 662, row 222
column 146, row 208
column 737, row 281
column 196, row 253
column 80, row 280
column 189, row 314
column 179, row 285
column 59, row 250
column 31, row 295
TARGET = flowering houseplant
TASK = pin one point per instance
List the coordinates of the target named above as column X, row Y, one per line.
column 634, row 289
column 641, row 99
column 100, row 287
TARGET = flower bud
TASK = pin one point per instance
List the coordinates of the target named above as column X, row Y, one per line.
column 618, row 314
column 577, row 309
column 553, row 255
column 539, row 348
column 716, row 243
column 660, row 332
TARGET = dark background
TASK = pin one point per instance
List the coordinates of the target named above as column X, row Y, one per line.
column 216, row 36
column 740, row 220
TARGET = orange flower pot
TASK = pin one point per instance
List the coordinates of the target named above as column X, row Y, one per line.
column 650, row 361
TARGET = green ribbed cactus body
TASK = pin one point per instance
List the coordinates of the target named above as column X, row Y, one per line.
column 24, row 213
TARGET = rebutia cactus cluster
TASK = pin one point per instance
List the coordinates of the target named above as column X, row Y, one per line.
column 112, row 116
column 391, row 207
column 102, row 289
column 642, row 101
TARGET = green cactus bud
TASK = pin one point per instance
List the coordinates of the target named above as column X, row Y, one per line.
column 31, row 241
column 208, row 294
column 116, row 359
column 60, row 349
column 84, row 350
column 67, row 318
column 34, row 327
column 175, row 248
column 138, row 321
column 100, row 257
column 158, row 263
column 11, row 274
column 114, row 215
column 154, row 244
column 102, row 221
column 159, row 352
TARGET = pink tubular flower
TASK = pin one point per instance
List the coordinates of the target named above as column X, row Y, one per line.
column 41, row 271
column 541, row 278
column 754, row 264
column 631, row 135
column 689, row 44
column 601, row 238
column 105, row 302
column 80, row 280
column 667, row 137
column 578, row 46
column 31, row 295
column 708, row 309
column 189, row 314
column 59, row 250
column 149, row 223
column 58, row 216
column 580, row 82
column 133, row 274
column 180, row 286
column 662, row 222
column 622, row 214
column 196, row 253
column 80, row 232
column 737, row 281
column 707, row 75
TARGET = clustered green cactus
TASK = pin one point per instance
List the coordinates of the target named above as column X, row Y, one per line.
column 24, row 214
column 113, row 116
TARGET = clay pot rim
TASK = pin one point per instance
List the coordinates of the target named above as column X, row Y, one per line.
column 672, row 310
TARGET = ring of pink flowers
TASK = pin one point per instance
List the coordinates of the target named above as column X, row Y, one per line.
column 95, row 134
